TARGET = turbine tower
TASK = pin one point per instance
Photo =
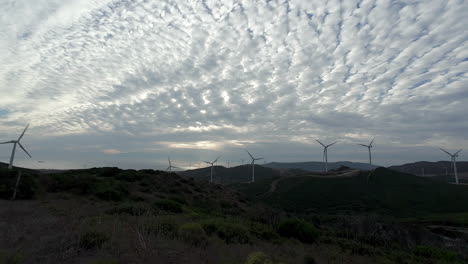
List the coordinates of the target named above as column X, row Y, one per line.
column 253, row 165
column 369, row 148
column 212, row 167
column 16, row 142
column 454, row 162
column 325, row 153
column 169, row 169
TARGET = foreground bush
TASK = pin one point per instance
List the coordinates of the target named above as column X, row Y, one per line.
column 27, row 187
column 258, row 258
column 192, row 233
column 93, row 239
column 168, row 205
column 229, row 232
column 110, row 190
column 298, row 229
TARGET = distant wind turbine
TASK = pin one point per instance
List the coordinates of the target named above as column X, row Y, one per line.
column 369, row 148
column 16, row 142
column 454, row 162
column 212, row 167
column 253, row 165
column 169, row 169
column 325, row 153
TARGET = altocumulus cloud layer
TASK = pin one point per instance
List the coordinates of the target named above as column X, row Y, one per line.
column 129, row 82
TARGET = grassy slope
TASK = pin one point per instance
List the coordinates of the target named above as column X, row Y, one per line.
column 387, row 192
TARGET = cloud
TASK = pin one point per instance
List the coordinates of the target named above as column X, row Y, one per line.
column 257, row 71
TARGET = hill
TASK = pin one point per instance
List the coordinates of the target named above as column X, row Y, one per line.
column 315, row 166
column 387, row 192
column 243, row 173
column 432, row 168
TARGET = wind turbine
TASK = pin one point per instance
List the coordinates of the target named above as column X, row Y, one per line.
column 454, row 162
column 16, row 142
column 170, row 165
column 253, row 165
column 325, row 153
column 212, row 167
column 369, row 148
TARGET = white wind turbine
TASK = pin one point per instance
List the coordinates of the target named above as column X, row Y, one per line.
column 16, row 142
column 170, row 165
column 325, row 153
column 454, row 162
column 212, row 167
column 369, row 148
column 253, row 165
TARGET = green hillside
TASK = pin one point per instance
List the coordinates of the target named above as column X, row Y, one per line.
column 386, row 192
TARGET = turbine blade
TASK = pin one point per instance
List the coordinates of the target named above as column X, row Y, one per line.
column 168, row 168
column 320, row 143
column 372, row 142
column 363, row 145
column 7, row 142
column 217, row 159
column 249, row 154
column 331, row 144
column 457, row 152
column 24, row 131
column 207, row 162
column 21, row 146
column 258, row 158
column 446, row 151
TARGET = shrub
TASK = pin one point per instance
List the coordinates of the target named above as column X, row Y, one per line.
column 105, row 261
column 193, row 234
column 168, row 205
column 436, row 253
column 229, row 232
column 10, row 258
column 108, row 171
column 110, row 190
column 263, row 231
column 93, row 239
column 309, row 260
column 258, row 258
column 129, row 176
column 299, row 229
column 76, row 183
column 27, row 187
column 130, row 209
column 165, row 227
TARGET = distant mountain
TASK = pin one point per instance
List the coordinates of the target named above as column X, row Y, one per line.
column 427, row 168
column 223, row 175
column 315, row 166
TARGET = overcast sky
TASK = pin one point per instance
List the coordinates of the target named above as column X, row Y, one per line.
column 127, row 83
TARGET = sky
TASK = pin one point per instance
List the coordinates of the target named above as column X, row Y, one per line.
column 128, row 83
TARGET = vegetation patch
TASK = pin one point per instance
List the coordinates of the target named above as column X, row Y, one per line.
column 229, row 232
column 93, row 239
column 193, row 233
column 169, row 206
column 298, row 229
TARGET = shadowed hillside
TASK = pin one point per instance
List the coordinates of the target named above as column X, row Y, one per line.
column 223, row 175
column 315, row 166
column 439, row 168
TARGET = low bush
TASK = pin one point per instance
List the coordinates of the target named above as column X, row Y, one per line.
column 11, row 258
column 129, row 176
column 436, row 253
column 298, row 229
column 262, row 231
column 229, row 232
column 168, row 205
column 192, row 233
column 75, row 183
column 93, row 239
column 108, row 171
column 27, row 187
column 110, row 190
column 130, row 209
column 258, row 258
column 165, row 227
